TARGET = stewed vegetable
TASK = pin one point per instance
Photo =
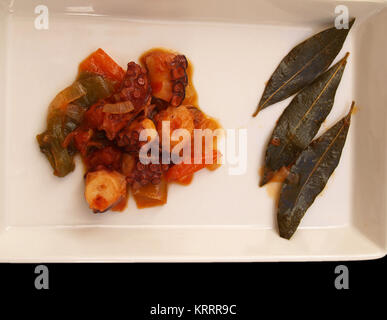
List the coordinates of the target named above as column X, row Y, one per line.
column 108, row 116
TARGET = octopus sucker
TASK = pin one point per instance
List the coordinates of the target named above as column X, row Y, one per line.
column 168, row 75
column 179, row 80
column 129, row 136
column 135, row 87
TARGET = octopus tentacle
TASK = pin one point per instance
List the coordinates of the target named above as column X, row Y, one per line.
column 144, row 174
column 168, row 75
column 135, row 86
column 179, row 79
column 129, row 136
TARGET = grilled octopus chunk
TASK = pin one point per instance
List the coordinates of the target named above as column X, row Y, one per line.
column 144, row 174
column 129, row 137
column 168, row 75
column 104, row 189
column 135, row 87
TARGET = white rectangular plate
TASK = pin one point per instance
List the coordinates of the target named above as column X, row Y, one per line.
column 219, row 217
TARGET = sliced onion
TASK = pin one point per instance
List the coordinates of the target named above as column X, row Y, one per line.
column 119, row 107
column 66, row 96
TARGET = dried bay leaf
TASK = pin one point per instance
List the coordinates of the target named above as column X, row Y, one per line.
column 309, row 175
column 302, row 65
column 301, row 120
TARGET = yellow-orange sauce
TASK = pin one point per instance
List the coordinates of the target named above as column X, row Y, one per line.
column 121, row 205
column 273, row 187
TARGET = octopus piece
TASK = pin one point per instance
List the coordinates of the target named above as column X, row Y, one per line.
column 201, row 121
column 104, row 189
column 114, row 123
column 168, row 75
column 144, row 174
column 135, row 87
column 179, row 118
column 115, row 114
column 129, row 137
column 139, row 174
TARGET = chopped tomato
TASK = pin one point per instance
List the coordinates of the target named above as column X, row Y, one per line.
column 93, row 117
column 182, row 170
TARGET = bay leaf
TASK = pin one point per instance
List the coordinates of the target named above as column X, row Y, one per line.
column 309, row 175
column 301, row 120
column 302, row 65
